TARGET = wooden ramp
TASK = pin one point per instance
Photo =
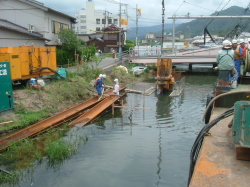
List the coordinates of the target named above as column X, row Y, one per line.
column 91, row 114
column 50, row 122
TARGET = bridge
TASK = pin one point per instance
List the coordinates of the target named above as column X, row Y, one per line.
column 191, row 57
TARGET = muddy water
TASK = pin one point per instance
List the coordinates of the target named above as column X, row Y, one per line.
column 142, row 148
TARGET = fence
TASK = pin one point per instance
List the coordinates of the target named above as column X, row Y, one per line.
column 178, row 87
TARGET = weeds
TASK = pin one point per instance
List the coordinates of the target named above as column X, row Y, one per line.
column 10, row 180
column 59, row 150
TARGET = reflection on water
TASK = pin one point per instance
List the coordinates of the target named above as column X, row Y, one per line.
column 142, row 148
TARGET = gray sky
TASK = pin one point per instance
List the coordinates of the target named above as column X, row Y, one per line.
column 151, row 12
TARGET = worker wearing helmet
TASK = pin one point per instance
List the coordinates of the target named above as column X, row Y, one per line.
column 237, row 56
column 243, row 46
column 225, row 60
column 116, row 87
column 98, row 84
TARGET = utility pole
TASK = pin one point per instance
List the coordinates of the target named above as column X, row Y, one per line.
column 120, row 42
column 136, row 36
column 173, row 36
column 163, row 15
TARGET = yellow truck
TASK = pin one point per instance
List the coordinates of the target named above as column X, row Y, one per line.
column 29, row 61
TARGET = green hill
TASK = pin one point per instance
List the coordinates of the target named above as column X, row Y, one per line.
column 221, row 27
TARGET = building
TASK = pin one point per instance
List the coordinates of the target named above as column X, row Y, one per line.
column 152, row 38
column 109, row 42
column 90, row 20
column 29, row 22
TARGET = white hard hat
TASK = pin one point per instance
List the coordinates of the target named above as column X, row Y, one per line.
column 116, row 80
column 104, row 76
column 234, row 41
column 100, row 75
column 226, row 43
column 242, row 41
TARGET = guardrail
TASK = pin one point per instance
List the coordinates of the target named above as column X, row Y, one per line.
column 168, row 52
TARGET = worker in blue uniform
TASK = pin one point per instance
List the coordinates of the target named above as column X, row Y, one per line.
column 237, row 56
column 99, row 84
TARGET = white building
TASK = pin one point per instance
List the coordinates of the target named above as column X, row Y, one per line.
column 90, row 20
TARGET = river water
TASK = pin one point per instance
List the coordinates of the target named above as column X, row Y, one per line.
column 142, row 148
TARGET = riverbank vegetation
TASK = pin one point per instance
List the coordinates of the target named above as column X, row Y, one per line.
column 33, row 105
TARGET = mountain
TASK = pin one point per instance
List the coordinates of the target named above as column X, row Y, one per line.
column 217, row 26
column 221, row 27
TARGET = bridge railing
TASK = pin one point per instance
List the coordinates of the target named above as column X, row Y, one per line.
column 141, row 53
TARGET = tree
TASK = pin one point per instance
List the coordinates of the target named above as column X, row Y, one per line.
column 129, row 44
column 68, row 40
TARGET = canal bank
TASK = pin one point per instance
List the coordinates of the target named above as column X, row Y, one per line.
column 140, row 148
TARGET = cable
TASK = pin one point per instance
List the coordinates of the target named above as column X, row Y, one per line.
column 198, row 142
column 44, row 68
column 197, row 6
column 178, row 7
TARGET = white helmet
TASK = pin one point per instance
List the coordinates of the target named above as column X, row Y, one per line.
column 100, row 75
column 116, row 80
column 234, row 41
column 104, row 76
column 242, row 41
column 226, row 43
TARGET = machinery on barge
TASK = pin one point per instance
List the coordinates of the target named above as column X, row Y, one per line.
column 221, row 152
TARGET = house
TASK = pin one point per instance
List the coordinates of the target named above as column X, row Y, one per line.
column 29, row 22
column 110, row 40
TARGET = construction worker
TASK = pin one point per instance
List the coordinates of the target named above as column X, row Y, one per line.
column 243, row 47
column 237, row 57
column 225, row 60
column 116, row 87
column 98, row 84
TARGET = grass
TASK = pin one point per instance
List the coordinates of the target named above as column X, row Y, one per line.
column 57, row 144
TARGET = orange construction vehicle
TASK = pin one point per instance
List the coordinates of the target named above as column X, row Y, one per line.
column 165, row 80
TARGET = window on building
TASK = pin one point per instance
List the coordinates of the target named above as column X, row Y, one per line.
column 98, row 21
column 56, row 26
column 116, row 21
column 110, row 36
column 98, row 28
column 83, row 27
column 110, row 21
column 64, row 26
column 83, row 16
column 103, row 21
column 83, row 21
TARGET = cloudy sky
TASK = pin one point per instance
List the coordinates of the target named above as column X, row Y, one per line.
column 151, row 9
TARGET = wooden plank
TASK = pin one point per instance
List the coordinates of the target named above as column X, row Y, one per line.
column 6, row 122
column 242, row 153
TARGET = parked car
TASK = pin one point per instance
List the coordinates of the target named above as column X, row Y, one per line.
column 137, row 70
